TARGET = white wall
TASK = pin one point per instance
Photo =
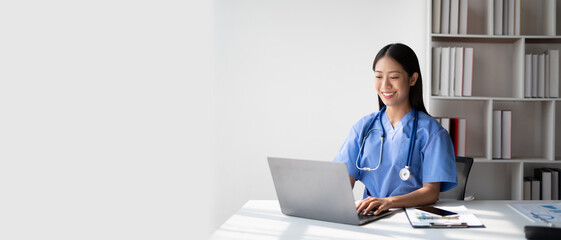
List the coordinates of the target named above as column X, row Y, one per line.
column 113, row 125
column 106, row 118
column 292, row 77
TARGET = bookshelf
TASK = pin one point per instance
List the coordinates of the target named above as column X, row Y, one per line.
column 498, row 83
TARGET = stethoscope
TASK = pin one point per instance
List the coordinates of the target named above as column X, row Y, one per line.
column 404, row 174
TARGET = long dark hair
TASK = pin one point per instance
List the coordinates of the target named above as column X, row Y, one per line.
column 405, row 56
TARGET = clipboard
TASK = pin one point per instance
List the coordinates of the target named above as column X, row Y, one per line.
column 420, row 219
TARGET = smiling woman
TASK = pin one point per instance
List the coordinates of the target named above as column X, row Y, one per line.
column 411, row 164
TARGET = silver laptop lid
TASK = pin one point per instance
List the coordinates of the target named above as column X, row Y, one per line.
column 314, row 189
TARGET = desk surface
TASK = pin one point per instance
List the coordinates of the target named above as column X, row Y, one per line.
column 262, row 219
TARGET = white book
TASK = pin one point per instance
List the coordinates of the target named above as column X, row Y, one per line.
column 536, row 185
column 445, row 122
column 454, row 16
column 547, row 76
column 516, row 17
column 436, row 52
column 497, row 121
column 546, row 186
column 544, row 175
column 510, row 17
column 534, row 75
column 445, row 71
column 468, row 71
column 458, row 78
column 462, row 134
column 506, row 133
column 498, row 17
column 463, row 21
column 554, row 73
column 452, row 78
column 528, row 76
column 436, row 16
column 445, row 17
column 541, row 75
column 505, row 17
column 527, row 189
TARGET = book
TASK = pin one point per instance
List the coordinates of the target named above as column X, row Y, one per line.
column 445, row 122
column 516, row 17
column 554, row 183
column 445, row 71
column 505, row 17
column 547, row 74
column 528, row 76
column 459, row 72
column 544, row 176
column 454, row 16
column 454, row 133
column 510, row 22
column 498, row 17
column 541, row 75
column 558, row 183
column 452, row 78
column 534, row 75
column 445, row 17
column 462, row 134
column 506, row 133
column 497, row 120
column 436, row 52
column 527, row 191
column 463, row 17
column 554, row 73
column 436, row 16
column 536, row 184
column 468, row 71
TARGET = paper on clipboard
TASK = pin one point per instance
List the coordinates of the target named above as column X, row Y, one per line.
column 542, row 212
column 419, row 218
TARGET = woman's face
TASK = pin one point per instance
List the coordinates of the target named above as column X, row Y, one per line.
column 393, row 83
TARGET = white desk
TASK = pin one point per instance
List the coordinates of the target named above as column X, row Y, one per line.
column 262, row 219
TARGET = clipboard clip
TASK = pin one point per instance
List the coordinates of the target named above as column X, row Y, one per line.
column 451, row 225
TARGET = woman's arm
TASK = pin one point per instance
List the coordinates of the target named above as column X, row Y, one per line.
column 428, row 194
column 353, row 180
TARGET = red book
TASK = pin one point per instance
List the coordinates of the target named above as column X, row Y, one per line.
column 454, row 133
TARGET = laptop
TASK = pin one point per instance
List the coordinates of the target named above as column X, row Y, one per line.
column 317, row 190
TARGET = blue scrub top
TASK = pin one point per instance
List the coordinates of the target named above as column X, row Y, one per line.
column 432, row 161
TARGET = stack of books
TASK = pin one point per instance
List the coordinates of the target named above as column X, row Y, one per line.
column 502, row 134
column 452, row 71
column 449, row 16
column 457, row 129
column 544, row 185
column 506, row 17
column 541, row 78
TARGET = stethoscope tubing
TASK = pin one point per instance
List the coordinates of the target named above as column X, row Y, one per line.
column 370, row 129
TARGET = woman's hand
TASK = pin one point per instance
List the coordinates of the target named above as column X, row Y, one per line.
column 428, row 194
column 370, row 203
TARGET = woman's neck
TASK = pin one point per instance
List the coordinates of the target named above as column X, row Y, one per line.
column 395, row 114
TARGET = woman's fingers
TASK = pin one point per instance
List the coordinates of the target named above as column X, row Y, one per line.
column 373, row 205
column 383, row 207
column 361, row 206
column 367, row 205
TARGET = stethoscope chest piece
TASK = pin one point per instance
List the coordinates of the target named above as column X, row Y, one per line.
column 405, row 174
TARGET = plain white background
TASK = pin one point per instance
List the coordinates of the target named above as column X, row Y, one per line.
column 153, row 119
column 106, row 119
